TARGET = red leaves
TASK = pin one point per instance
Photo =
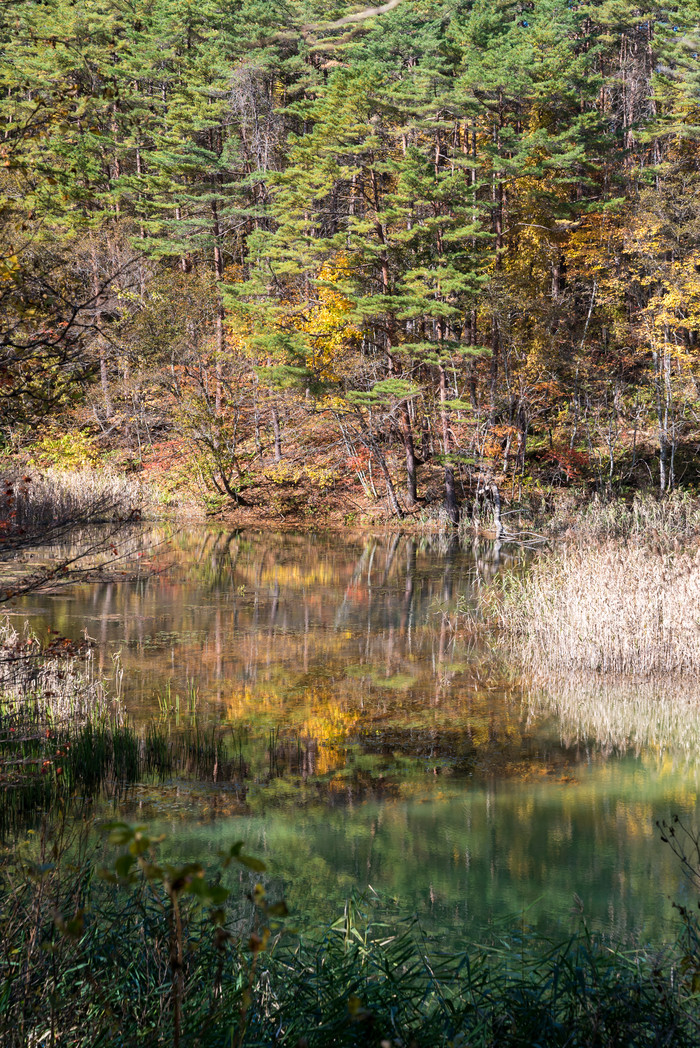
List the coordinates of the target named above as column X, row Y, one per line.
column 571, row 463
column 359, row 460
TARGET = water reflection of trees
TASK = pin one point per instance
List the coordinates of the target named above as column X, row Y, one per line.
column 330, row 640
column 464, row 859
column 333, row 665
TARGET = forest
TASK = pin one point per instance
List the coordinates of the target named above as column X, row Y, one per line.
column 414, row 252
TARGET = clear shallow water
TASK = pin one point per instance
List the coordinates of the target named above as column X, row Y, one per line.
column 377, row 750
column 471, row 859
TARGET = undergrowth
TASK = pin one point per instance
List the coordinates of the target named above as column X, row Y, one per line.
column 155, row 954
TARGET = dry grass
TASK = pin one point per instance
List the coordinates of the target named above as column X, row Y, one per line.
column 646, row 520
column 613, row 609
column 86, row 496
column 65, row 525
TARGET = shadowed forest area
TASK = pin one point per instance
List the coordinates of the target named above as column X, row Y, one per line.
column 283, row 254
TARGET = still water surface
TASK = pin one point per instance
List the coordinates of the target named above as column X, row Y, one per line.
column 378, row 749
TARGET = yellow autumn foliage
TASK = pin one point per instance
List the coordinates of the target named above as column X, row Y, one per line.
column 330, row 332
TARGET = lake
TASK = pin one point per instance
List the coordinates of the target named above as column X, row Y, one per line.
column 381, row 747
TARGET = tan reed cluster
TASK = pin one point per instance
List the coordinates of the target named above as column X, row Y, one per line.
column 86, row 496
column 611, row 609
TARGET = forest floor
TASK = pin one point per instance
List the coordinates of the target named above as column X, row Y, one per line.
column 315, row 483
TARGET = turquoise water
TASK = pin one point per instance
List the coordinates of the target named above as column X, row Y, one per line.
column 380, row 749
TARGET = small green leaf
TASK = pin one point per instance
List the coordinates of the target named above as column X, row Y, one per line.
column 252, row 863
column 123, row 866
column 120, row 833
column 140, row 844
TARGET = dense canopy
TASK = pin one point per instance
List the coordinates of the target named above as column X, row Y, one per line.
column 444, row 233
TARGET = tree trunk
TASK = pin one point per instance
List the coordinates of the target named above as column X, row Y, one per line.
column 522, row 438
column 662, row 422
column 220, row 311
column 390, row 489
column 426, row 449
column 101, row 347
column 220, row 347
column 493, row 375
column 409, row 447
column 451, row 506
column 276, row 433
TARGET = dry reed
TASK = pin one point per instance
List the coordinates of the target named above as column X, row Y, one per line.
column 613, row 609
column 82, row 497
column 647, row 519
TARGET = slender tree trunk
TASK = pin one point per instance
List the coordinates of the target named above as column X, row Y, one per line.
column 220, row 348
column 394, row 368
column 220, row 311
column 409, row 447
column 493, row 373
column 497, row 196
column 522, row 438
column 276, row 433
column 662, row 422
column 426, row 450
column 471, row 367
column 451, row 506
column 390, row 489
column 496, row 501
column 101, row 346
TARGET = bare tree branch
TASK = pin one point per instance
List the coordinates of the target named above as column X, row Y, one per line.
column 359, row 16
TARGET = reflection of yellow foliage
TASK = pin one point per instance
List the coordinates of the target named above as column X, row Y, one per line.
column 293, row 574
column 638, row 820
column 520, row 867
column 330, row 727
column 526, row 809
column 319, row 718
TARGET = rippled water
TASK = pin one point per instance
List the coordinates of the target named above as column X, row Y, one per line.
column 378, row 749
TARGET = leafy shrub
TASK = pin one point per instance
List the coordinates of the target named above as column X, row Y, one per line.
column 65, row 451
